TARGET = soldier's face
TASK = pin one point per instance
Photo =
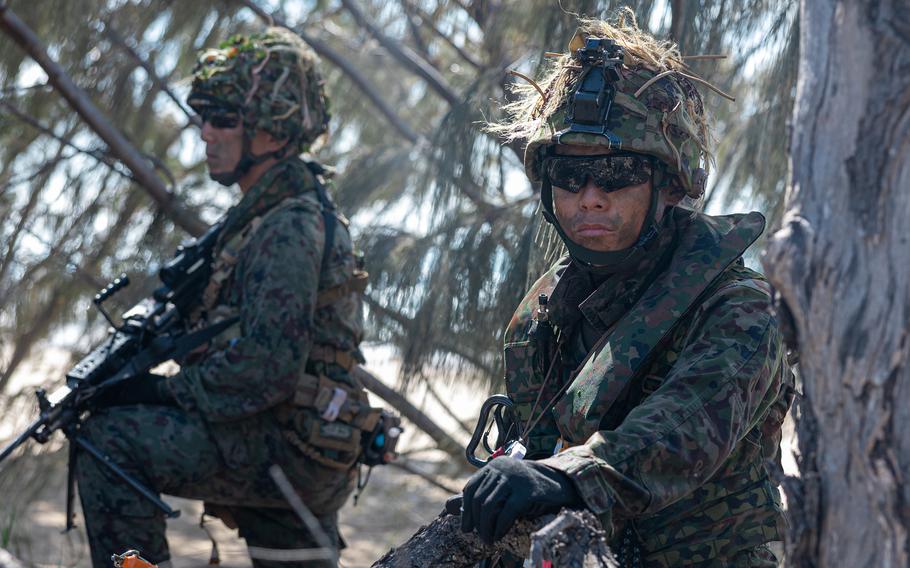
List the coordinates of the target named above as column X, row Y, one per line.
column 596, row 219
column 223, row 147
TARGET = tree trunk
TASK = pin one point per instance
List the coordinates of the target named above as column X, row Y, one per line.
column 841, row 263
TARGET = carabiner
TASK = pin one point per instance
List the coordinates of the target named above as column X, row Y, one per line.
column 503, row 416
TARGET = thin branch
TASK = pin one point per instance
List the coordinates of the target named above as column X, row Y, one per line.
column 119, row 145
column 414, row 29
column 443, row 345
column 427, row 20
column 115, row 37
column 400, row 403
column 465, row 427
column 97, row 155
column 406, row 56
column 364, row 84
column 429, row 478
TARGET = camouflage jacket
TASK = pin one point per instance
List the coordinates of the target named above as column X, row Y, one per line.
column 667, row 424
column 245, row 381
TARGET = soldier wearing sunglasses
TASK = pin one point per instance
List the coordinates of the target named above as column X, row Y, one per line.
column 285, row 274
column 648, row 374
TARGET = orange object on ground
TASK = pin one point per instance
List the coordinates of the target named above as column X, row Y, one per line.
column 131, row 559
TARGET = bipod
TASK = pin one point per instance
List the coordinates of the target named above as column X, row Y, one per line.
column 77, row 441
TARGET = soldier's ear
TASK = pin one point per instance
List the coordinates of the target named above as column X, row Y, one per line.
column 264, row 142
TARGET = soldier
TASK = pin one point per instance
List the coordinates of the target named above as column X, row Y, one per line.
column 275, row 388
column 648, row 375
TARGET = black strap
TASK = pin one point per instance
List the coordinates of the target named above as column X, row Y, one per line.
column 329, row 211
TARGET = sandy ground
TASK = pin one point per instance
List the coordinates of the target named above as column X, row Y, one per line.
column 393, row 506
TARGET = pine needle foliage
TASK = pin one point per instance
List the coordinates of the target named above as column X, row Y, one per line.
column 449, row 226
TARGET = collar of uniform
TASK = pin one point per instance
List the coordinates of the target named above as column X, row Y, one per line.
column 601, row 297
column 707, row 246
column 287, row 178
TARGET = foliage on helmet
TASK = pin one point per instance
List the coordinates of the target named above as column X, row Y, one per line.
column 656, row 109
column 271, row 78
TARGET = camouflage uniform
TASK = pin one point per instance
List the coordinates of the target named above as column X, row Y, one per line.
column 674, row 411
column 670, row 382
column 257, row 396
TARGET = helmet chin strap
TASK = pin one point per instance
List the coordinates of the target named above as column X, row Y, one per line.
column 247, row 160
column 608, row 261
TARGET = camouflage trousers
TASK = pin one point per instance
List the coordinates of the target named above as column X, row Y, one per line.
column 172, row 452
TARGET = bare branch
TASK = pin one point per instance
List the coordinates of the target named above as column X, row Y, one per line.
column 115, row 37
column 442, row 344
column 119, row 145
column 427, row 21
column 398, row 401
column 406, row 56
column 364, row 84
column 429, row 478
column 97, row 155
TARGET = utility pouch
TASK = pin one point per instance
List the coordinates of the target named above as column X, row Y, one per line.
column 379, row 447
column 331, row 421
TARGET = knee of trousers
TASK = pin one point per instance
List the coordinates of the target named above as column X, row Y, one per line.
column 101, row 491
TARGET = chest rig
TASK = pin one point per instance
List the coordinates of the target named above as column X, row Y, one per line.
column 328, row 419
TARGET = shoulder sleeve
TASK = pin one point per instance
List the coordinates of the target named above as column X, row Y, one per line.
column 723, row 383
column 278, row 278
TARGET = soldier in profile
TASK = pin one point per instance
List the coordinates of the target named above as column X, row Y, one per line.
column 285, row 272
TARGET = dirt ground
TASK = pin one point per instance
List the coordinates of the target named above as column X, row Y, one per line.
column 393, row 506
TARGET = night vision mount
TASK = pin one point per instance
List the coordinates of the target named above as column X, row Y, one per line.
column 601, row 60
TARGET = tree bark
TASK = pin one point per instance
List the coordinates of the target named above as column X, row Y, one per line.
column 840, row 265
column 82, row 104
column 571, row 539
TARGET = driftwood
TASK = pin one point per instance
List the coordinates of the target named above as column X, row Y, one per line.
column 573, row 539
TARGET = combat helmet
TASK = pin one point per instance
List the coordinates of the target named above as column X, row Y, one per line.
column 270, row 79
column 620, row 90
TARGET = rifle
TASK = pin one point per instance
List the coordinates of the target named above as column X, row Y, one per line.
column 155, row 330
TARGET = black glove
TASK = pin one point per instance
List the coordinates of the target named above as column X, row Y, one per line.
column 452, row 506
column 143, row 389
column 506, row 489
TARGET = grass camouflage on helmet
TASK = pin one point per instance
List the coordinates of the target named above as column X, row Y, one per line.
column 271, row 79
column 649, row 103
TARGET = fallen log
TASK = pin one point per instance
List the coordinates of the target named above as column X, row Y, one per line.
column 573, row 539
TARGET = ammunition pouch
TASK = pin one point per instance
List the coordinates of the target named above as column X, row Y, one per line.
column 332, row 422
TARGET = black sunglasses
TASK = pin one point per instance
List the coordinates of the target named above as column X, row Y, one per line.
column 219, row 117
column 610, row 172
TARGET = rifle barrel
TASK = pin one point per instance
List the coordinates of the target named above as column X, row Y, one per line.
column 28, row 433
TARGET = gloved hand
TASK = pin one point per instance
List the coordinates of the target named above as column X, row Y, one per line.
column 506, row 489
column 147, row 388
column 452, row 506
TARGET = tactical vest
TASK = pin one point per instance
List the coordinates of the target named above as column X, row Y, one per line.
column 630, row 363
column 329, row 412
